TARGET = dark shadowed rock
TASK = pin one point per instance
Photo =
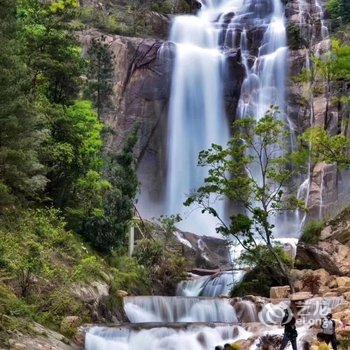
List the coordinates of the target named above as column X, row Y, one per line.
column 234, row 76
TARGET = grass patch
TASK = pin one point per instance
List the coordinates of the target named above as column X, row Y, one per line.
column 312, row 232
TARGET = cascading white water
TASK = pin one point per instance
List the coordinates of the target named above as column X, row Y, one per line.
column 193, row 337
column 178, row 309
column 210, row 286
column 196, row 112
column 246, row 311
column 265, row 85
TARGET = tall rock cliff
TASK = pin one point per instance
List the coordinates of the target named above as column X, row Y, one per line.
column 142, row 70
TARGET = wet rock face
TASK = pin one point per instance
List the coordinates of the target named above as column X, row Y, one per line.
column 234, row 76
column 308, row 105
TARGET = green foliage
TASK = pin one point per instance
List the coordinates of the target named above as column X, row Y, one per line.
column 166, row 268
column 265, row 273
column 334, row 65
column 339, row 11
column 327, row 148
column 148, row 252
column 88, row 268
column 109, row 231
column 168, row 224
column 14, row 313
column 312, row 231
column 21, row 174
column 52, row 52
column 261, row 195
column 44, row 264
column 73, row 156
column 100, row 73
column 169, row 272
column 131, row 277
column 259, row 147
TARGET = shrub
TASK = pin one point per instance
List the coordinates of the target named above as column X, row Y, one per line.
column 165, row 276
column 88, row 269
column 131, row 277
column 312, row 231
column 339, row 11
column 265, row 273
column 59, row 304
column 294, row 37
column 148, row 252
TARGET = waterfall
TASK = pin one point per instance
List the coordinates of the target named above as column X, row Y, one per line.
column 178, row 309
column 196, row 112
column 246, row 311
column 265, row 81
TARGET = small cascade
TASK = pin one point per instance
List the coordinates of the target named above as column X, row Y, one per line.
column 265, row 81
column 246, row 311
column 312, row 9
column 193, row 337
column 178, row 309
column 210, row 286
column 320, row 12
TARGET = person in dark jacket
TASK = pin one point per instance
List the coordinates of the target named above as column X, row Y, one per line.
column 328, row 334
column 290, row 332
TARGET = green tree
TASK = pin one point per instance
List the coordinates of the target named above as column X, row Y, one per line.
column 73, row 154
column 324, row 147
column 100, row 73
column 21, row 174
column 52, row 52
column 333, row 69
column 253, row 171
column 109, row 231
column 339, row 11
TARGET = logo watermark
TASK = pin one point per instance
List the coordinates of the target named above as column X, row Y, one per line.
column 310, row 314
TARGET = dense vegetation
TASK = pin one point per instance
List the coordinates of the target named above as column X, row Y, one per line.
column 66, row 204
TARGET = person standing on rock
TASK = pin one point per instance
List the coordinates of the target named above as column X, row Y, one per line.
column 328, row 331
column 290, row 331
